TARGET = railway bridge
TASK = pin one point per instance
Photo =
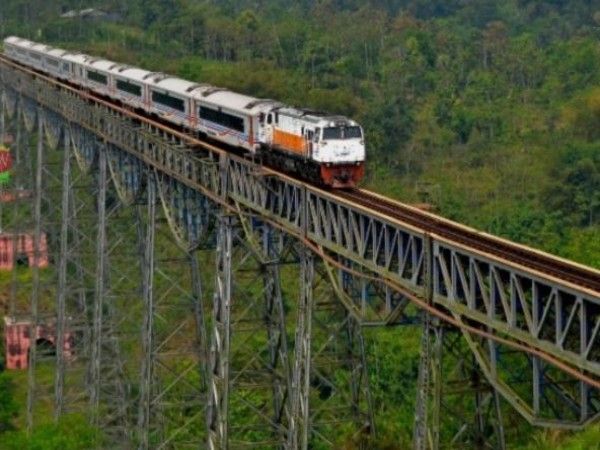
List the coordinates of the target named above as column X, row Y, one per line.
column 216, row 303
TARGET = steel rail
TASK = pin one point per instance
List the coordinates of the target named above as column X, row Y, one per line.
column 548, row 264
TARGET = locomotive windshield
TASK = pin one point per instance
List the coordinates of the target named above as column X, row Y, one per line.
column 332, row 133
column 352, row 133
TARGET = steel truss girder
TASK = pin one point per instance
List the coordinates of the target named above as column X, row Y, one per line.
column 498, row 295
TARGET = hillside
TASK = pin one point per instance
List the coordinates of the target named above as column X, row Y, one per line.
column 488, row 110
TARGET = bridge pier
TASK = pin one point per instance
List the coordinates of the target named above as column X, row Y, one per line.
column 61, row 317
column 108, row 393
column 147, row 253
column 219, row 383
column 35, row 293
column 455, row 403
column 172, row 377
column 249, row 362
column 300, row 407
column 274, row 250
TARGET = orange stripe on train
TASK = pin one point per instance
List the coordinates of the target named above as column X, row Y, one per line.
column 288, row 141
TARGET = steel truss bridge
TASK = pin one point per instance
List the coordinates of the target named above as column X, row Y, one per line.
column 210, row 302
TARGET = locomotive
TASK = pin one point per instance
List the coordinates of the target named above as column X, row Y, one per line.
column 325, row 149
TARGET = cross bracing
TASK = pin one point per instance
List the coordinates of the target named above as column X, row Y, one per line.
column 376, row 268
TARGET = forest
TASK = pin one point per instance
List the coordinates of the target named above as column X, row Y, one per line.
column 488, row 111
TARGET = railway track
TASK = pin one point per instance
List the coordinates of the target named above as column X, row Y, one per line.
column 468, row 237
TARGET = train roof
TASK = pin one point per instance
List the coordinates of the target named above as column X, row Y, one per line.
column 13, row 40
column 57, row 52
column 101, row 64
column 129, row 72
column 226, row 98
column 232, row 100
column 169, row 83
column 79, row 58
column 40, row 48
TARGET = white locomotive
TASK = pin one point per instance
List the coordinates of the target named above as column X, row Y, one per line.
column 322, row 148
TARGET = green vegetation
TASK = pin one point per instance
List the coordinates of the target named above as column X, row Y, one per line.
column 489, row 110
column 8, row 405
column 71, row 433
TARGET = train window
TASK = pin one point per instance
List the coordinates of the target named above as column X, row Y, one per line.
column 342, row 133
column 332, row 133
column 66, row 67
column 270, row 119
column 34, row 56
column 167, row 100
column 131, row 88
column 317, row 134
column 352, row 133
column 97, row 77
column 52, row 62
column 221, row 118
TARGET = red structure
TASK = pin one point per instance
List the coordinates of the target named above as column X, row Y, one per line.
column 9, row 196
column 6, row 160
column 18, row 342
column 20, row 247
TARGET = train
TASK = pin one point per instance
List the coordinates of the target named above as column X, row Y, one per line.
column 321, row 148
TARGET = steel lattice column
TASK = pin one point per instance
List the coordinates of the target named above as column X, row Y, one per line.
column 428, row 404
column 279, row 364
column 357, row 290
column 77, row 250
column 35, row 294
column 98, row 312
column 455, row 403
column 299, row 421
column 218, row 395
column 147, row 265
column 108, row 393
column 172, row 401
column 62, row 284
